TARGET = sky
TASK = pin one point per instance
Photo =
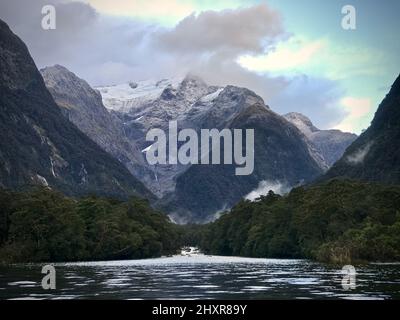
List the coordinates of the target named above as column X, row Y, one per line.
column 293, row 53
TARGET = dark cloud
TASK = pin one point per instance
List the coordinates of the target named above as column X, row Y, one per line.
column 230, row 32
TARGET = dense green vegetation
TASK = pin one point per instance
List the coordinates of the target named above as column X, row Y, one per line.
column 44, row 225
column 338, row 221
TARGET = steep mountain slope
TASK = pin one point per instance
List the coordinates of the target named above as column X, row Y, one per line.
column 375, row 155
column 330, row 144
column 39, row 145
column 144, row 105
column 281, row 156
column 83, row 106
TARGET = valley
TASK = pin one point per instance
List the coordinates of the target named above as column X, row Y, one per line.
column 76, row 184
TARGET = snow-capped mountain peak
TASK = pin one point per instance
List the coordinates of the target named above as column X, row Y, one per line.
column 127, row 96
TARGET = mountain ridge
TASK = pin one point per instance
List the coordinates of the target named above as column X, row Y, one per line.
column 330, row 144
column 42, row 146
column 281, row 155
column 83, row 106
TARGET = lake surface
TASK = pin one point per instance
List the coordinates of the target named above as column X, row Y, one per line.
column 199, row 277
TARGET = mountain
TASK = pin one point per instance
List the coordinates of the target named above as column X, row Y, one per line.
column 148, row 104
column 281, row 157
column 330, row 144
column 375, row 155
column 83, row 106
column 190, row 193
column 39, row 145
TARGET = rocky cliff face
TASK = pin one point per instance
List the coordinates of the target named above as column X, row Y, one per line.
column 375, row 155
column 39, row 145
column 329, row 144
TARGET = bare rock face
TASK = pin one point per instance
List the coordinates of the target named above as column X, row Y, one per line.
column 329, row 144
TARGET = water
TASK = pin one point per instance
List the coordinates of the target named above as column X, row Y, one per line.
column 200, row 277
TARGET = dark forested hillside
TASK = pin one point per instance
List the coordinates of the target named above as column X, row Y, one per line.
column 39, row 145
column 44, row 225
column 337, row 221
column 375, row 155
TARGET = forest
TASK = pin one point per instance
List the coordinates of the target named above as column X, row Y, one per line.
column 44, row 225
column 338, row 221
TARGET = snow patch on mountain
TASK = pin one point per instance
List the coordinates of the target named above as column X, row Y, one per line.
column 212, row 96
column 126, row 96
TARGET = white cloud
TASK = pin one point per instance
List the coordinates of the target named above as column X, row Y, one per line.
column 358, row 112
column 359, row 155
column 166, row 12
column 288, row 55
column 318, row 58
column 264, row 187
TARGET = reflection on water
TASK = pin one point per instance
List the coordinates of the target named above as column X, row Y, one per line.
column 199, row 277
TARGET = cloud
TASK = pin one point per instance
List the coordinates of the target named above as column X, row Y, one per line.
column 144, row 8
column 319, row 71
column 317, row 98
column 107, row 49
column 228, row 32
column 264, row 187
column 287, row 56
column 101, row 49
column 166, row 12
column 223, row 37
column 317, row 57
column 358, row 113
column 359, row 155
